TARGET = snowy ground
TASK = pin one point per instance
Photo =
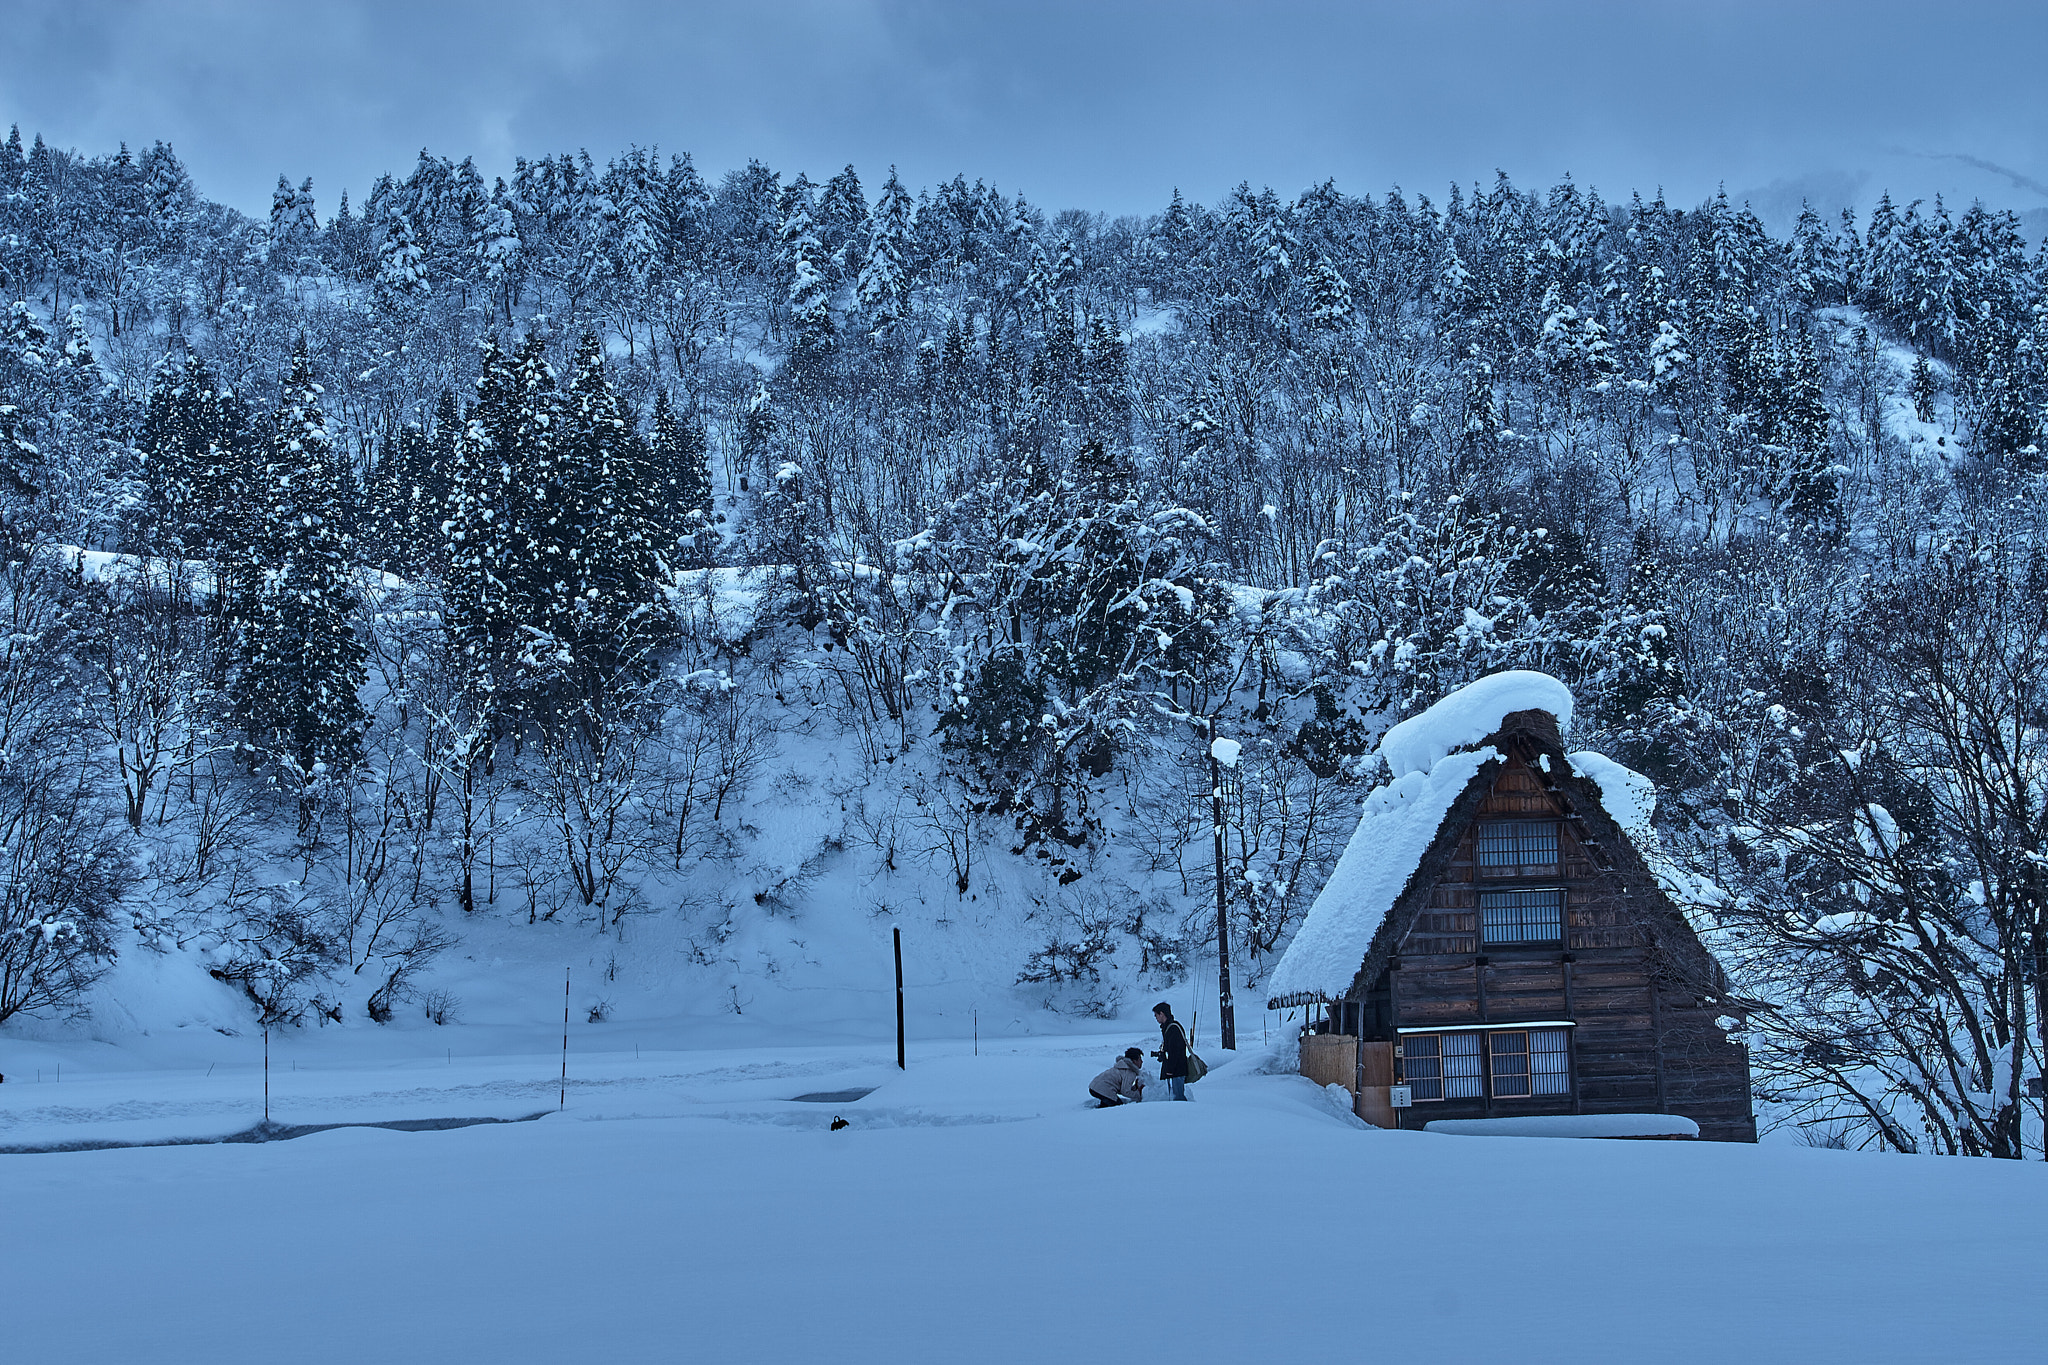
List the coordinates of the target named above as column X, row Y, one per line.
column 684, row 1208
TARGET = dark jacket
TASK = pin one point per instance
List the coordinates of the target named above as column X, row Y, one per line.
column 1173, row 1050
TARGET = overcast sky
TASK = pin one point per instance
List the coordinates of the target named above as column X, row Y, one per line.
column 1099, row 105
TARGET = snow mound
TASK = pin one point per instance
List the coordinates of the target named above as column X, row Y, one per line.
column 1400, row 821
column 1469, row 715
column 1570, row 1126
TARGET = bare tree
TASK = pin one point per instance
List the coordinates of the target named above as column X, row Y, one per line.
column 1889, row 864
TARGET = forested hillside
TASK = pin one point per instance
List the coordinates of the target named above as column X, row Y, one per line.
column 490, row 547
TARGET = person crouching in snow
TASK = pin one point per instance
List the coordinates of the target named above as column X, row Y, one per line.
column 1173, row 1051
column 1123, row 1083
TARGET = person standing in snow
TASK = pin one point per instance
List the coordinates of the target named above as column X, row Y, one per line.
column 1173, row 1051
column 1123, row 1083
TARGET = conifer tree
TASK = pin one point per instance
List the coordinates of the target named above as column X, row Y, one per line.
column 402, row 505
column 401, row 265
column 618, row 543
column 1329, row 298
column 296, row 691
column 884, row 270
column 842, row 216
column 482, row 531
column 545, row 574
column 680, row 456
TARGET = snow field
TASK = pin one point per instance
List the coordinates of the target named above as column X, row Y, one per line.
column 684, row 1209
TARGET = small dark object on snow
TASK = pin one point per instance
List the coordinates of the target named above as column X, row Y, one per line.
column 838, row 1123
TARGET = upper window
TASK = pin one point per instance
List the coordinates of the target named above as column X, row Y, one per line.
column 1521, row 916
column 1518, row 843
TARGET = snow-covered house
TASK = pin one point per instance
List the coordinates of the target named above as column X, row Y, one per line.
column 1496, row 941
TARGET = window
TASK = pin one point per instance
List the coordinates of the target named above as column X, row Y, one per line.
column 1517, row 843
column 1529, row 1063
column 1461, row 1066
column 1523, row 1063
column 1521, row 916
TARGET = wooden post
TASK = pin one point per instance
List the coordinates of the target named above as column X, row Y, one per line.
column 266, row 1073
column 1358, row 1061
column 562, row 1100
column 1227, row 1030
column 897, row 934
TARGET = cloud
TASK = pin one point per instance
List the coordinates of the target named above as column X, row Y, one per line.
column 1075, row 103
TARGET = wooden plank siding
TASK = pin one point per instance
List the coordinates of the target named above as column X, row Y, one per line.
column 1641, row 1042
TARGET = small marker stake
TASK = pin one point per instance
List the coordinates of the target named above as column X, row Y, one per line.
column 562, row 1101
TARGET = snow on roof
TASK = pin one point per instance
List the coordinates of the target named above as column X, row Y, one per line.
column 1469, row 715
column 1400, row 822
column 1631, row 799
column 1625, row 794
column 1432, row 760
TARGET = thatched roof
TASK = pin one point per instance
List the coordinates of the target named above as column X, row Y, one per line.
column 1409, row 834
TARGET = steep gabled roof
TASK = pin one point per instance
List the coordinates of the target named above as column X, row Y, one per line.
column 1445, row 762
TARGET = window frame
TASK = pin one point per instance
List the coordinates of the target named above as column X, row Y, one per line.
column 1563, row 895
column 1488, row 1077
column 1483, row 835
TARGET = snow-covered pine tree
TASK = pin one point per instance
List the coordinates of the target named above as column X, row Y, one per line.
column 680, row 455
column 1804, row 482
column 842, row 217
column 296, row 691
column 399, row 493
column 1106, row 385
column 884, row 270
column 545, row 573
column 1329, row 298
column 401, row 265
column 618, row 614
column 192, row 438
column 483, row 533
column 801, row 257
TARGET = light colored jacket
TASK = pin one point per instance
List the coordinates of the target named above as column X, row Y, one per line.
column 1124, row 1081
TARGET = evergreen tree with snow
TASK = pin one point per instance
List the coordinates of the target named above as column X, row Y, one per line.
column 884, row 269
column 401, row 265
column 296, row 691
column 842, row 220
column 1923, row 389
column 681, row 477
column 545, row 574
column 1329, row 298
column 195, row 443
column 484, row 544
column 619, row 544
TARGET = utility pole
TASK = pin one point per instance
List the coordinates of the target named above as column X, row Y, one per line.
column 898, row 935
column 1227, row 1008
